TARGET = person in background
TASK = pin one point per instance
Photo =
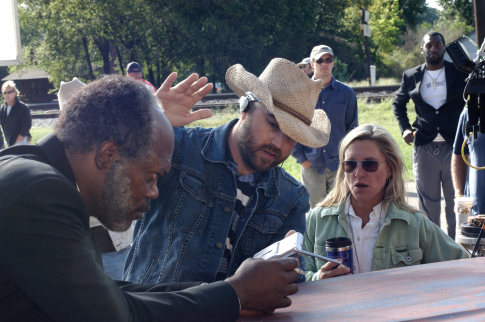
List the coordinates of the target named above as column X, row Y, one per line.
column 306, row 66
column 15, row 117
column 134, row 70
column 464, row 176
column 319, row 164
column 436, row 88
column 368, row 206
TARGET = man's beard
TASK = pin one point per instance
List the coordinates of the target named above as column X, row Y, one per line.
column 247, row 149
column 114, row 206
column 435, row 61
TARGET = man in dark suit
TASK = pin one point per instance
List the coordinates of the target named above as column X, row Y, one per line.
column 436, row 88
column 111, row 143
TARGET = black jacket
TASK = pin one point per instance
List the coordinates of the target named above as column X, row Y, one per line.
column 17, row 122
column 430, row 121
column 50, row 266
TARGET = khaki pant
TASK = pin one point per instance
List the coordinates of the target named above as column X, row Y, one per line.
column 318, row 185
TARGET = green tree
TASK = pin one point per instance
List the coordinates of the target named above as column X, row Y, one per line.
column 462, row 9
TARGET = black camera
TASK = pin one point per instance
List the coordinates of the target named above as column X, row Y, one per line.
column 475, row 89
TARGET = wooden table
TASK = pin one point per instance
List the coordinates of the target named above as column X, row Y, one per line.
column 452, row 291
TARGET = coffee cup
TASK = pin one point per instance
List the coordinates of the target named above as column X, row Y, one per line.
column 463, row 209
column 341, row 248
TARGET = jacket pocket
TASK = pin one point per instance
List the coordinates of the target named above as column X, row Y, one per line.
column 191, row 204
column 406, row 257
column 265, row 223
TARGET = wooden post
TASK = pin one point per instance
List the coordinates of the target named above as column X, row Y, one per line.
column 366, row 33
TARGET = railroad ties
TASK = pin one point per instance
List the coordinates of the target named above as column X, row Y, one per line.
column 219, row 101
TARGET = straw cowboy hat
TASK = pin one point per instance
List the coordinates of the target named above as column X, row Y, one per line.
column 67, row 90
column 290, row 95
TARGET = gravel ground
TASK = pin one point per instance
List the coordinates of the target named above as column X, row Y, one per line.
column 40, row 123
column 214, row 102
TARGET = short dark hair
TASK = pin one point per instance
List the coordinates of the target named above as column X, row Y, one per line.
column 110, row 108
column 433, row 33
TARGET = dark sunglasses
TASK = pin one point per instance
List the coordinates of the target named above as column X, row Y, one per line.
column 367, row 165
column 327, row 60
column 8, row 92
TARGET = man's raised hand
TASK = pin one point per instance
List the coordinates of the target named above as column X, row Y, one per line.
column 177, row 101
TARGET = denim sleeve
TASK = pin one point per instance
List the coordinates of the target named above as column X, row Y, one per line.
column 399, row 106
column 351, row 118
column 298, row 153
column 461, row 133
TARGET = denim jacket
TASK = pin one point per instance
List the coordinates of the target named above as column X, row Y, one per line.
column 405, row 239
column 182, row 237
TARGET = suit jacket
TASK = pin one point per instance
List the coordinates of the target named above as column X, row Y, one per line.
column 17, row 122
column 50, row 266
column 430, row 121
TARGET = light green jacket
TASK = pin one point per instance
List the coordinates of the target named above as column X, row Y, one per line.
column 405, row 239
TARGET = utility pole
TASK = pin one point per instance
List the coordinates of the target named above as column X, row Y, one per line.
column 479, row 6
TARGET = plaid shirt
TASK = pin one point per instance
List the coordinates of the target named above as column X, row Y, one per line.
column 339, row 102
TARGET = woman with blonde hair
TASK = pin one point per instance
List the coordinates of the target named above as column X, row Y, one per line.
column 367, row 205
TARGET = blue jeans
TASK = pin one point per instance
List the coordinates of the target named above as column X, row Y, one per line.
column 114, row 263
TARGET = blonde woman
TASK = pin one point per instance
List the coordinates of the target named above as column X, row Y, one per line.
column 367, row 205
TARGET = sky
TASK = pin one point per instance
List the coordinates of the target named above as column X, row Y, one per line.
column 433, row 4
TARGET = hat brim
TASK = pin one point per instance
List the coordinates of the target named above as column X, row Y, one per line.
column 314, row 136
column 242, row 81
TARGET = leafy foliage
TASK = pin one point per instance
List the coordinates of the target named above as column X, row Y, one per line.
column 88, row 38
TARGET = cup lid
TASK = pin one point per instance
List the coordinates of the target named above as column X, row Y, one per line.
column 338, row 242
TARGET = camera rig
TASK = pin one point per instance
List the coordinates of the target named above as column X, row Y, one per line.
column 474, row 95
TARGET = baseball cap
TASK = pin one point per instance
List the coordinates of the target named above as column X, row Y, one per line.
column 133, row 67
column 319, row 51
column 304, row 62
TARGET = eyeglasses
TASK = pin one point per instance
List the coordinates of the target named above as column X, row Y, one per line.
column 327, row 60
column 8, row 92
column 303, row 66
column 367, row 165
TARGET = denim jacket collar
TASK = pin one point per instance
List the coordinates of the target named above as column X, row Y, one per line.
column 215, row 151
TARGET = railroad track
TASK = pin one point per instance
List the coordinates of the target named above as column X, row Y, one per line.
column 374, row 93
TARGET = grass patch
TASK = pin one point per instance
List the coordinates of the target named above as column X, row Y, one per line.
column 39, row 133
column 376, row 113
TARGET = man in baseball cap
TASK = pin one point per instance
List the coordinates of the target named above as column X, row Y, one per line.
column 306, row 67
column 135, row 71
column 320, row 164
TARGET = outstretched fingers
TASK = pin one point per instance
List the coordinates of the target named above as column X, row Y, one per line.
column 167, row 84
